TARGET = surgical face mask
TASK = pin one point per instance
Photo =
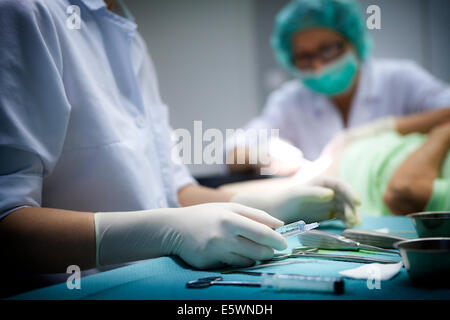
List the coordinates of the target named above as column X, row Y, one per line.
column 335, row 78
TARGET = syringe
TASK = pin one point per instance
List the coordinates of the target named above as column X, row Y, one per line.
column 291, row 282
column 296, row 228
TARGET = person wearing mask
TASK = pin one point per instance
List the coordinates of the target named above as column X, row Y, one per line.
column 86, row 174
column 325, row 46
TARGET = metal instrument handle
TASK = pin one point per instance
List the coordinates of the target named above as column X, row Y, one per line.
column 366, row 246
column 346, row 258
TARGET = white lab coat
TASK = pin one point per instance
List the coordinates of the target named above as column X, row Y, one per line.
column 387, row 87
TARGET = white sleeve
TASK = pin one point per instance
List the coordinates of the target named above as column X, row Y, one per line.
column 34, row 111
column 424, row 92
column 148, row 79
column 182, row 176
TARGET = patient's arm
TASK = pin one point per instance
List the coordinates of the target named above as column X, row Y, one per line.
column 411, row 186
column 326, row 165
column 422, row 122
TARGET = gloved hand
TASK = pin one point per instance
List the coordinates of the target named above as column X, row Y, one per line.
column 205, row 236
column 282, row 158
column 371, row 128
column 322, row 198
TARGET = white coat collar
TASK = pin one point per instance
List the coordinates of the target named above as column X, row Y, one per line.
column 94, row 5
column 368, row 93
column 128, row 22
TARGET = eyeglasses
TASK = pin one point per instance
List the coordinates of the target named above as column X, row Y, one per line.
column 325, row 53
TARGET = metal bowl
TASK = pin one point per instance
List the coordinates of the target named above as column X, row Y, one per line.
column 432, row 224
column 427, row 260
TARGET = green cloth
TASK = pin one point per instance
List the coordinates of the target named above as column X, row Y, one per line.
column 368, row 165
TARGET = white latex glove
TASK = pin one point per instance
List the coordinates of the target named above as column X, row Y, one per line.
column 205, row 236
column 371, row 128
column 322, row 198
column 283, row 158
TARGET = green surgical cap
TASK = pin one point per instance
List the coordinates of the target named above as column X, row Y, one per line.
column 343, row 16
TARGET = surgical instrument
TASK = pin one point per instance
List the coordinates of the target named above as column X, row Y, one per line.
column 331, row 241
column 281, row 256
column 374, row 238
column 210, row 281
column 264, row 265
column 254, row 273
column 308, row 252
column 249, row 273
column 298, row 227
column 278, row 282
